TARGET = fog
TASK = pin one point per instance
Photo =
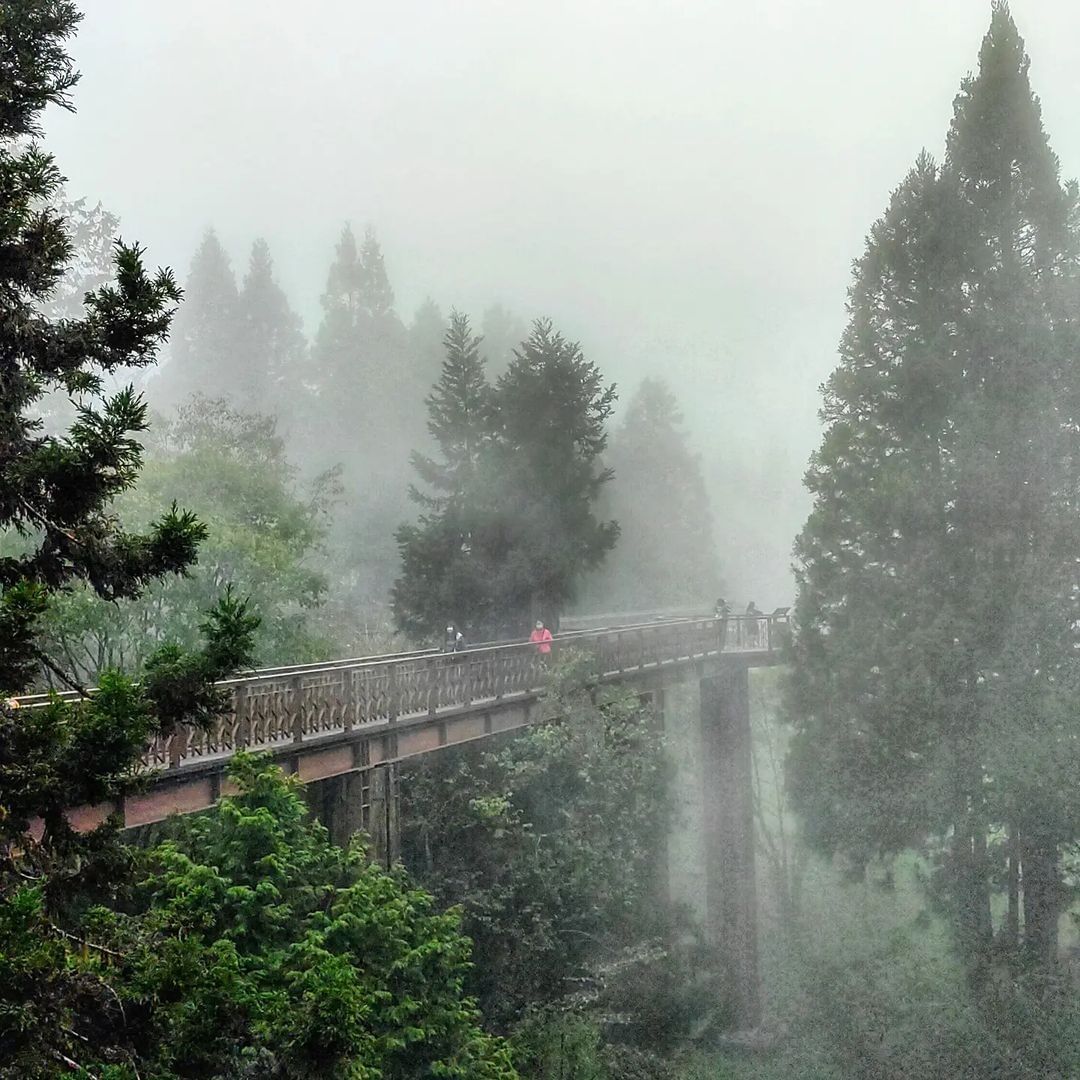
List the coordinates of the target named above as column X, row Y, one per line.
column 680, row 186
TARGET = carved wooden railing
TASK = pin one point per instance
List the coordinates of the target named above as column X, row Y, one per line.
column 276, row 707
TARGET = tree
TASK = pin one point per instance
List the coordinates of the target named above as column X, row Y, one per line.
column 935, row 654
column 503, row 331
column 204, row 345
column 667, row 552
column 552, row 412
column 271, row 345
column 444, row 564
column 427, row 332
column 550, row 844
column 256, row 947
column 365, row 410
column 509, row 521
column 55, row 490
column 264, row 534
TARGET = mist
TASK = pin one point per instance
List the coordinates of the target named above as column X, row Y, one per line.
column 679, row 187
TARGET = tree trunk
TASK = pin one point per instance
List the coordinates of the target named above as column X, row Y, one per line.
column 1010, row 935
column 1042, row 899
column 971, row 893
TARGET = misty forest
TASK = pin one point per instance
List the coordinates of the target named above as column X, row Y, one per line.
column 443, row 630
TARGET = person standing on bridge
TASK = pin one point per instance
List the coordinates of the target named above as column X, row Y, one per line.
column 453, row 639
column 753, row 628
column 541, row 638
column 721, row 612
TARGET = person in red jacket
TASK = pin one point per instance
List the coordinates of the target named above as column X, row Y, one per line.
column 541, row 638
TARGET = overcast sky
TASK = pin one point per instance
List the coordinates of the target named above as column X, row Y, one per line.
column 681, row 185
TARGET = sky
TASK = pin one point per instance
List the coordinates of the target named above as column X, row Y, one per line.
column 681, row 185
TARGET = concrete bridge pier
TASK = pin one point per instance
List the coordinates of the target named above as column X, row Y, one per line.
column 711, row 869
column 366, row 800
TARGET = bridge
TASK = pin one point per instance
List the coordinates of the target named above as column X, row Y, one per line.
column 344, row 726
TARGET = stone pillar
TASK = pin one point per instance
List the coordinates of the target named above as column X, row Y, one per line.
column 728, row 827
column 710, row 849
column 681, row 704
column 343, row 806
column 384, row 826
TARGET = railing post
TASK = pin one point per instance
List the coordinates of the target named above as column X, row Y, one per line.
column 351, row 702
column 393, row 695
column 432, row 668
column 241, row 717
column 297, row 709
column 641, row 648
column 178, row 745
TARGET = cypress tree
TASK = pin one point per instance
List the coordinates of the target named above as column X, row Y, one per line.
column 204, row 344
column 935, row 654
column 553, row 409
column 666, row 554
column 55, row 494
column 271, row 343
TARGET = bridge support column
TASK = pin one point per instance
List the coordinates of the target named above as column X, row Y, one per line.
column 384, row 821
column 728, row 825
column 343, row 806
column 711, row 847
column 365, row 800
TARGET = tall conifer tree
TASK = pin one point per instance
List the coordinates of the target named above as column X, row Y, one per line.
column 444, row 575
column 366, row 411
column 271, row 347
column 55, row 495
column 935, row 656
column 204, row 344
column 553, row 409
column 666, row 555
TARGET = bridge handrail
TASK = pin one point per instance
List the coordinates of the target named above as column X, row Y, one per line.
column 279, row 707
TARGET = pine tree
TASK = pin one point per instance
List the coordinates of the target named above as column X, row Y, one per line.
column 55, row 493
column 935, row 653
column 444, row 569
column 666, row 555
column 552, row 409
column 271, row 345
column 204, row 344
column 376, row 294
column 427, row 333
column 365, row 412
column 503, row 331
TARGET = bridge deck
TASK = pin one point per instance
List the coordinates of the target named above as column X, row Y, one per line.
column 328, row 717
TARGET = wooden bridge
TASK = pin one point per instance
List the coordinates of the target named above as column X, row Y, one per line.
column 338, row 716
column 344, row 725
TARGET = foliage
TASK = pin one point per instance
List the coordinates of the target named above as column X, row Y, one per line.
column 865, row 986
column 549, row 844
column 935, row 656
column 667, row 553
column 552, row 1045
column 510, row 522
column 262, row 534
column 256, row 947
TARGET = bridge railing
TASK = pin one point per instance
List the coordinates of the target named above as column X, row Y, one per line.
column 271, row 710
column 274, row 708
